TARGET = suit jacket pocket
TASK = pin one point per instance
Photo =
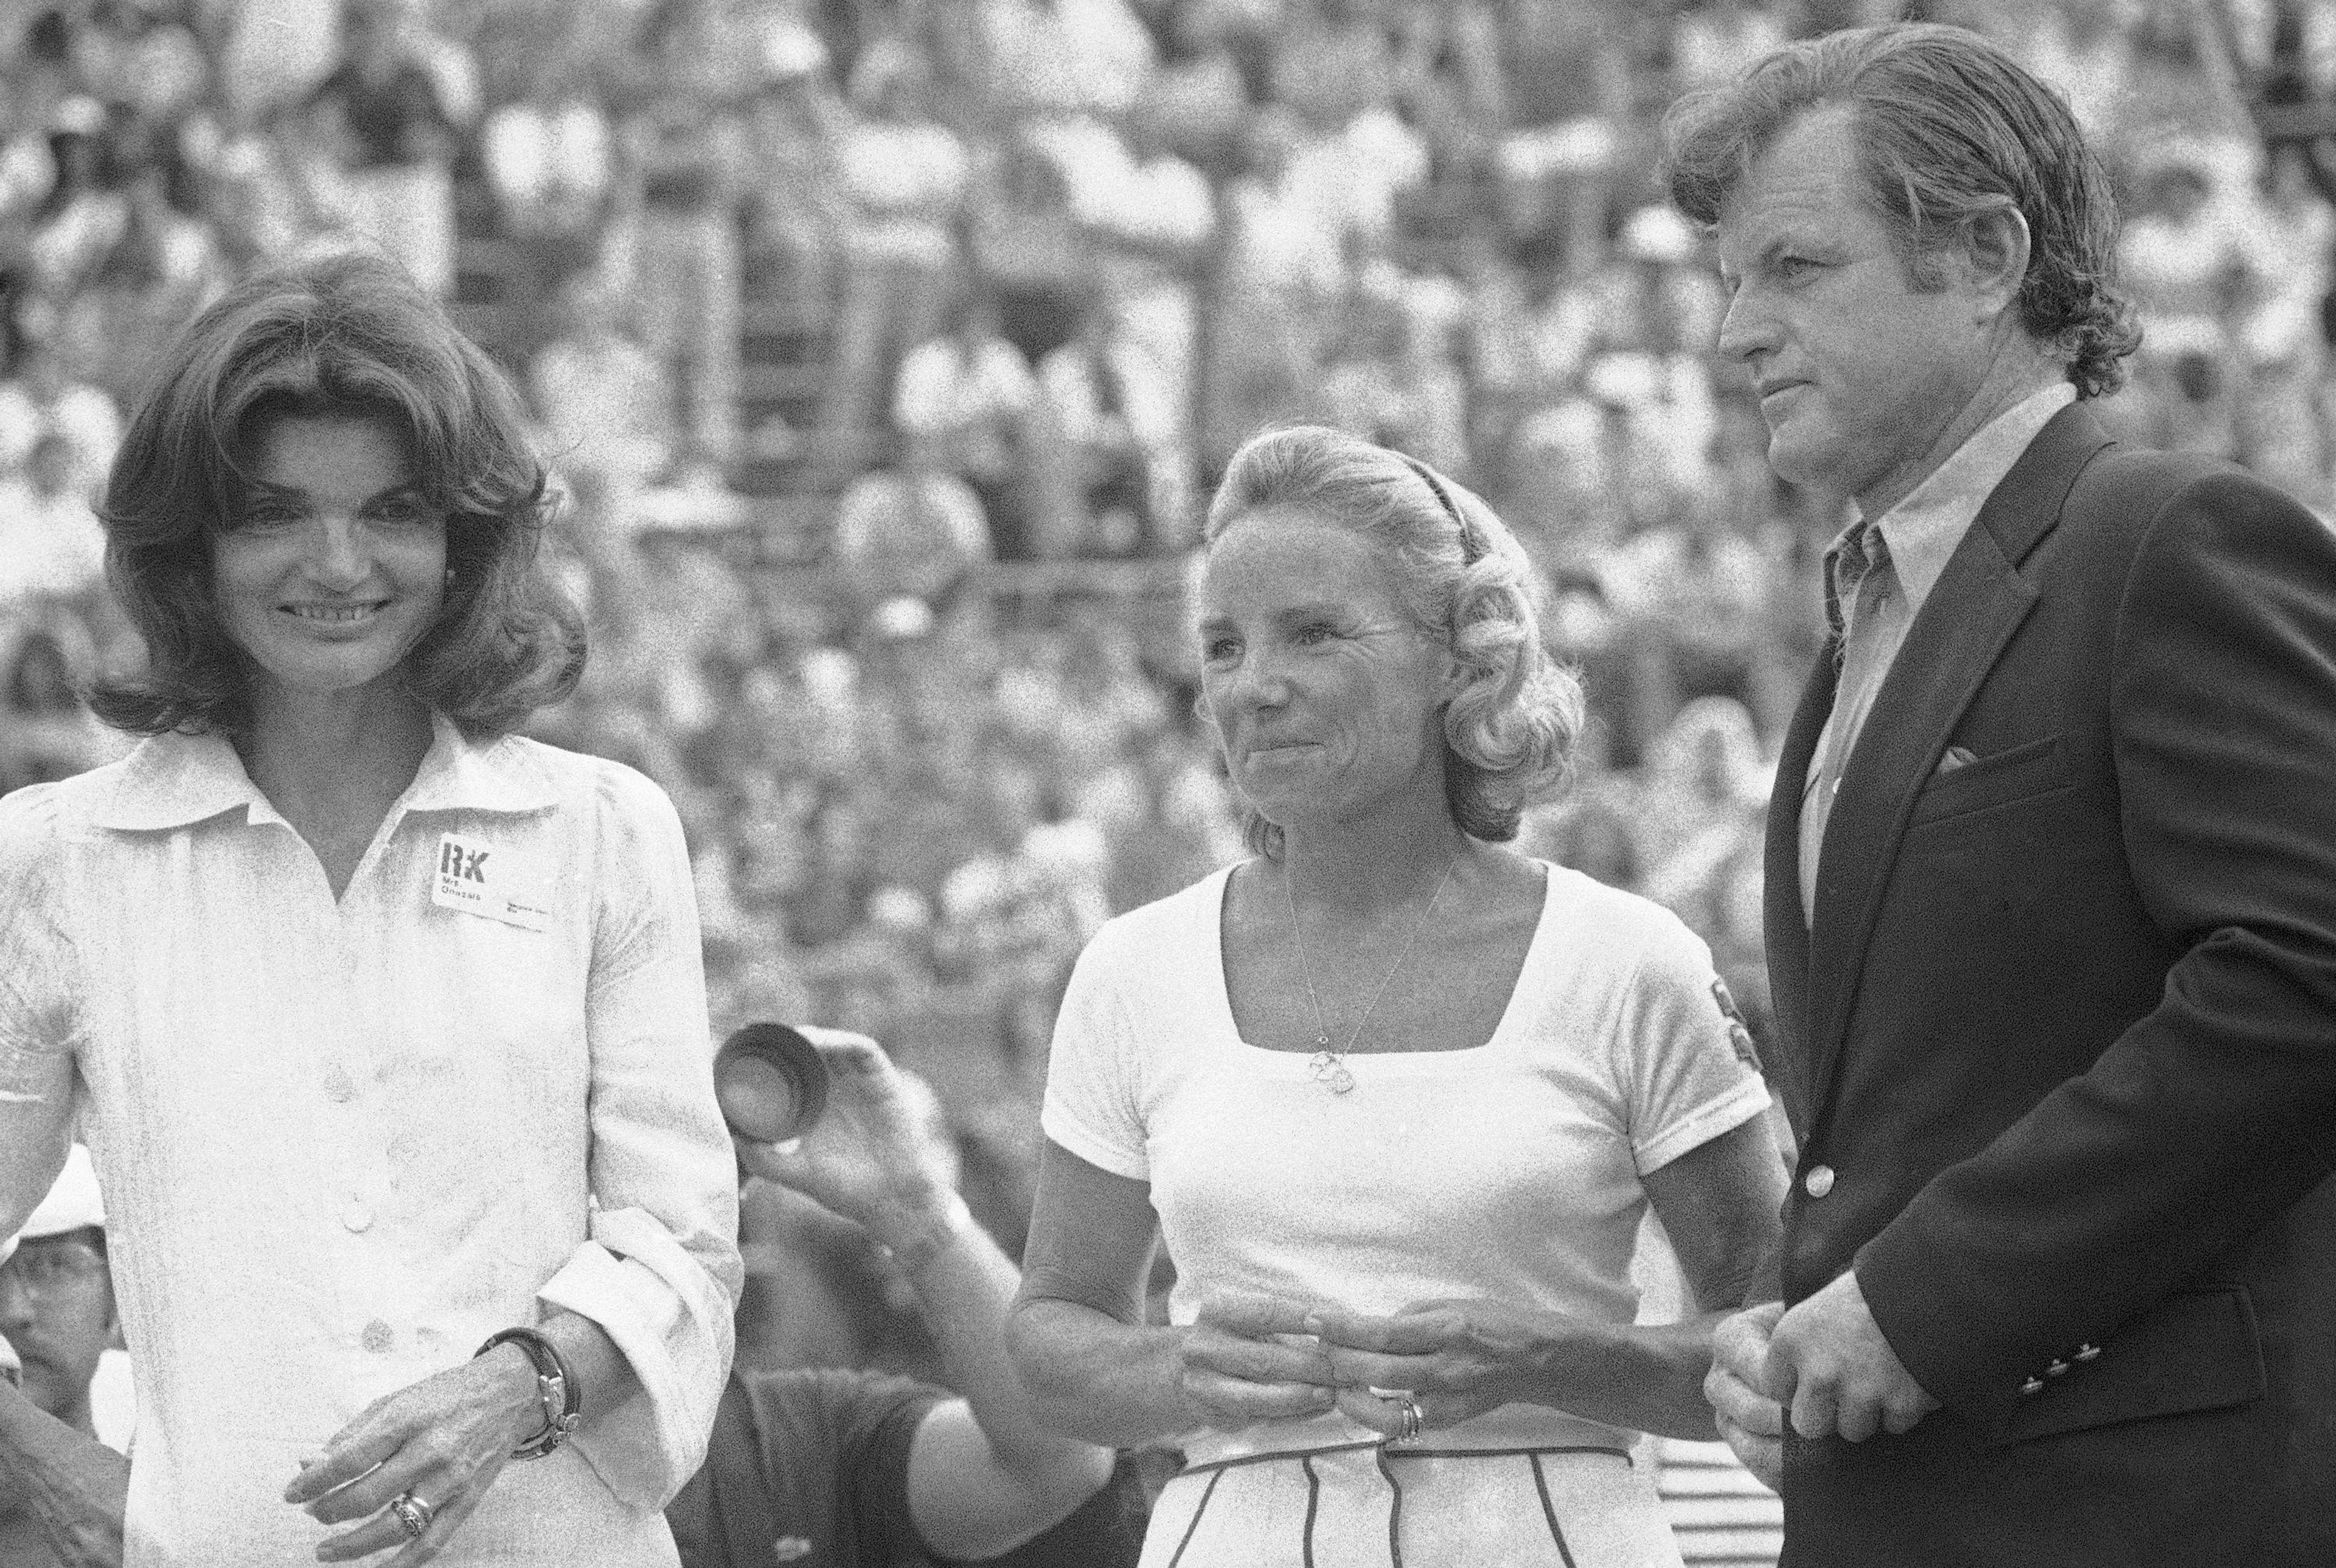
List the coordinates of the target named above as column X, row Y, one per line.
column 2196, row 1351
column 2031, row 768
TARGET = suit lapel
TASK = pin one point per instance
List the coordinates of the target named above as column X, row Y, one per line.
column 1977, row 604
column 1787, row 930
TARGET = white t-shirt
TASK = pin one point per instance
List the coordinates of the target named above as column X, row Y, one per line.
column 1507, row 1171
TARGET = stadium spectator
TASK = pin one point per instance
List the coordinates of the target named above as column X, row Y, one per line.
column 51, row 548
column 1062, row 57
column 905, row 177
column 685, row 134
column 387, row 134
column 970, row 397
column 1029, row 247
column 63, row 1433
column 795, row 206
column 551, row 158
column 1118, row 416
column 860, row 1467
column 915, row 530
column 57, row 1311
column 43, row 397
column 603, row 398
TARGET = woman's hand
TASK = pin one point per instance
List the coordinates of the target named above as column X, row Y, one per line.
column 1455, row 1359
column 1245, row 1360
column 444, row 1440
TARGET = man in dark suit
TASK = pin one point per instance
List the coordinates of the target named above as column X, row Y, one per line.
column 2052, row 867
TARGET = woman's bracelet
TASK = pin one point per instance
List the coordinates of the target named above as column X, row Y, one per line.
column 555, row 1388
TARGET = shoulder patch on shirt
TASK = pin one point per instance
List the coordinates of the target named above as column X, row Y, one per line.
column 1738, row 1035
column 482, row 879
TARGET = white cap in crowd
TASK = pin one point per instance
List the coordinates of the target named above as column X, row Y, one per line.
column 74, row 1202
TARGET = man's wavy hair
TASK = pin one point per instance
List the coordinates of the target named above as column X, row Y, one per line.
column 1464, row 580
column 343, row 335
column 1949, row 128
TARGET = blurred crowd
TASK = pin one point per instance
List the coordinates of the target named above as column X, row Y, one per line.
column 901, row 639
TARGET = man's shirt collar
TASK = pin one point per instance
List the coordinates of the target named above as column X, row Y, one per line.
column 1923, row 530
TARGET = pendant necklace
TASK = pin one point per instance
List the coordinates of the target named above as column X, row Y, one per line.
column 1327, row 1066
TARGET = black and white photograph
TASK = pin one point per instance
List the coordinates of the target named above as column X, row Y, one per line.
column 1168, row 783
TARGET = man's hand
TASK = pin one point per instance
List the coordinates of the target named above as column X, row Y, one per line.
column 75, row 1487
column 1752, row 1423
column 869, row 1158
column 1828, row 1360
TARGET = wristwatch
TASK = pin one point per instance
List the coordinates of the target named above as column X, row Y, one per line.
column 555, row 1387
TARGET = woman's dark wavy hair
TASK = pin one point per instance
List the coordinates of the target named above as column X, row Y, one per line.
column 1949, row 128
column 344, row 334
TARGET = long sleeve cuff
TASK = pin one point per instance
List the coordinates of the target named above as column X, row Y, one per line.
column 669, row 1312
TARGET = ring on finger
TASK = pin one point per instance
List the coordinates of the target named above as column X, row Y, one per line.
column 413, row 1514
column 1413, row 1419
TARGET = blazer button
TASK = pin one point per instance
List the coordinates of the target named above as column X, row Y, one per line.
column 1818, row 1182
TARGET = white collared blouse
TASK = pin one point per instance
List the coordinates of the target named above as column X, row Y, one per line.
column 343, row 1142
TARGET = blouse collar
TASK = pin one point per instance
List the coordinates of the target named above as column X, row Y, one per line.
column 173, row 779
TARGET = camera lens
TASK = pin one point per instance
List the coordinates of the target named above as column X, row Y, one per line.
column 771, row 1083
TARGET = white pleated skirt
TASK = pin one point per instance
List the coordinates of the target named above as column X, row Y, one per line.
column 1387, row 1505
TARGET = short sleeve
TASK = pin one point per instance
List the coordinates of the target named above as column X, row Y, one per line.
column 847, row 1434
column 875, row 1421
column 1106, row 1531
column 38, row 1006
column 1685, row 1077
column 1092, row 1108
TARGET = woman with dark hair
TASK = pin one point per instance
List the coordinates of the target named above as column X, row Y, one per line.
column 385, row 1027
column 1397, row 1097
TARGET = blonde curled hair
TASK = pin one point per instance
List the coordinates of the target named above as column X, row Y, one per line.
column 1464, row 580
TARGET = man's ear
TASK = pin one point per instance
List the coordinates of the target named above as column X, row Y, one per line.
column 1995, row 247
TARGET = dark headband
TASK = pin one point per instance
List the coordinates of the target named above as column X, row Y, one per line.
column 1472, row 549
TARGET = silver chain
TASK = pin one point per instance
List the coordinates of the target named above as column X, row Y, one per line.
column 1327, row 1066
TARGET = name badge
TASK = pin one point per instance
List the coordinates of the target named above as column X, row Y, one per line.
column 480, row 878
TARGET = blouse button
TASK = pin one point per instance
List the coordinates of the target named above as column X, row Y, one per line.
column 337, row 1087
column 357, row 1216
column 1818, row 1182
column 378, row 1337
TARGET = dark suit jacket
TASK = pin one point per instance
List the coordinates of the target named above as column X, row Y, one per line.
column 2064, row 1032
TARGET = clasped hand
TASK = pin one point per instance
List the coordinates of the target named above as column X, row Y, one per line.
column 1825, row 1362
column 1251, row 1359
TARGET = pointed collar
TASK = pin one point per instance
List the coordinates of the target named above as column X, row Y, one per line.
column 173, row 779
column 1924, row 528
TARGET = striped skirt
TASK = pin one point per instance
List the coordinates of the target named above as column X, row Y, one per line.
column 1390, row 1505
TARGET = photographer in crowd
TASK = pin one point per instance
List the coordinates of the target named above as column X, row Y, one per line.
column 61, row 1486
column 829, row 1466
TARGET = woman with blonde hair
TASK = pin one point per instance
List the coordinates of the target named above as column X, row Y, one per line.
column 1397, row 1097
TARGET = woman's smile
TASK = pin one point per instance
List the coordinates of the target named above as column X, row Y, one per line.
column 336, row 618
